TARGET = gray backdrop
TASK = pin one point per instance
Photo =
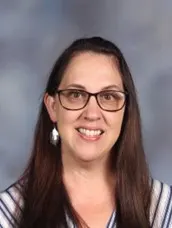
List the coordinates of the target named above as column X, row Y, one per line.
column 33, row 33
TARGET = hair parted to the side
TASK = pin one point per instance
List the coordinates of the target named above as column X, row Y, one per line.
column 46, row 202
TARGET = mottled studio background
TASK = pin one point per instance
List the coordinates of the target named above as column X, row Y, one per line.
column 33, row 33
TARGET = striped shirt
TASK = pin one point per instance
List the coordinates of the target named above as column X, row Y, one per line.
column 160, row 211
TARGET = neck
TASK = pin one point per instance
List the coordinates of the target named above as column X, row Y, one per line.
column 82, row 175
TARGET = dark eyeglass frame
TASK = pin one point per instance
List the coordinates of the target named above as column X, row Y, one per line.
column 59, row 92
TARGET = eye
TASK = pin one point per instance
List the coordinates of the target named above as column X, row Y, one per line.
column 111, row 95
column 107, row 96
column 75, row 94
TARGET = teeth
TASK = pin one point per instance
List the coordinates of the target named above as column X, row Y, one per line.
column 89, row 132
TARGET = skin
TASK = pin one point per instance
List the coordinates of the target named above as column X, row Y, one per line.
column 86, row 161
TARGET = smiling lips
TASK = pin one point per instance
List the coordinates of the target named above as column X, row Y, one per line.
column 90, row 134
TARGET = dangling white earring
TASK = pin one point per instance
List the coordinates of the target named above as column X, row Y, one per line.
column 54, row 136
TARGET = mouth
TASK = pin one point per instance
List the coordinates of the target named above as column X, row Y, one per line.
column 90, row 133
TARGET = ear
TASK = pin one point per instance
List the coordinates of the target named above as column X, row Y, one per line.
column 51, row 106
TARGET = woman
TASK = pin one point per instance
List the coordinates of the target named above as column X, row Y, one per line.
column 88, row 166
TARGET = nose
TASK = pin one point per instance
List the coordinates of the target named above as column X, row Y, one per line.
column 92, row 110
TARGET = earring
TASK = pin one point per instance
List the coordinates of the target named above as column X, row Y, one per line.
column 54, row 136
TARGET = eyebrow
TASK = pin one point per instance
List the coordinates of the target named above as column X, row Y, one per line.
column 78, row 86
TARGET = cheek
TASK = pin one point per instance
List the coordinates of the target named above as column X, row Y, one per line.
column 115, row 121
column 65, row 120
column 66, row 117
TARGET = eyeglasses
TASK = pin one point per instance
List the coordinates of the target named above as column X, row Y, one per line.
column 108, row 100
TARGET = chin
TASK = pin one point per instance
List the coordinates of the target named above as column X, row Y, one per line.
column 90, row 156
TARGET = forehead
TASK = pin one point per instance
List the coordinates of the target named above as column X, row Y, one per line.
column 93, row 71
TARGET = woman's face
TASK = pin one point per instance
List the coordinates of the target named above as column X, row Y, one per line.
column 79, row 130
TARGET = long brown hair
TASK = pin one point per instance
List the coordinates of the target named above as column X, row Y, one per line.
column 46, row 202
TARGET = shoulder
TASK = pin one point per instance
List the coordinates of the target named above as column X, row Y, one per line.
column 161, row 205
column 10, row 203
